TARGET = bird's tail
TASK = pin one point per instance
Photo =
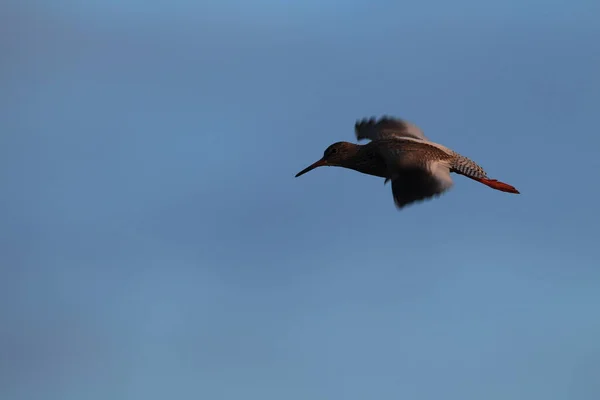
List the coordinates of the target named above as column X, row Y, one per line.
column 496, row 184
column 469, row 168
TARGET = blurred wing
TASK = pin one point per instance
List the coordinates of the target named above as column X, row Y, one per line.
column 417, row 184
column 387, row 128
column 416, row 173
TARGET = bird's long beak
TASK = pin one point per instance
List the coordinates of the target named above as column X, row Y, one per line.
column 319, row 163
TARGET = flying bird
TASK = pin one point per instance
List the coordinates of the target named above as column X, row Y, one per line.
column 398, row 151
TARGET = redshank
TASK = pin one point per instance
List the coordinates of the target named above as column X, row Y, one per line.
column 399, row 152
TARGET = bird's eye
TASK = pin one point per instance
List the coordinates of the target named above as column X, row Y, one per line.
column 333, row 151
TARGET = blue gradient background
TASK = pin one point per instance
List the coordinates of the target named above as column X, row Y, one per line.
column 154, row 243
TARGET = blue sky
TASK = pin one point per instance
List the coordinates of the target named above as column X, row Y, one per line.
column 155, row 243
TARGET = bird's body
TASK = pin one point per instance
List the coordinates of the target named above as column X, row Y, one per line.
column 400, row 152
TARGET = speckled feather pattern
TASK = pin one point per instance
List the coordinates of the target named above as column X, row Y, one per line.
column 374, row 158
column 411, row 154
column 418, row 170
column 464, row 166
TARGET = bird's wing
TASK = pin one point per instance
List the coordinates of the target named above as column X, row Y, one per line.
column 387, row 128
column 414, row 176
column 417, row 184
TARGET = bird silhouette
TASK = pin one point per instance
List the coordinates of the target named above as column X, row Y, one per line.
column 398, row 151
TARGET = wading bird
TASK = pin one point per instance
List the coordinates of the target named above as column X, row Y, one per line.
column 399, row 152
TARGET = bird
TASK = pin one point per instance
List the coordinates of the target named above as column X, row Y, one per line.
column 399, row 151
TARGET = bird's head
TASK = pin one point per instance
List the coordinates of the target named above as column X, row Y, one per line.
column 334, row 155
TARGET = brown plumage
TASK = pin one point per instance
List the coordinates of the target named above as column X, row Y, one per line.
column 399, row 151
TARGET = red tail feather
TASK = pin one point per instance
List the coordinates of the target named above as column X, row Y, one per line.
column 495, row 184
